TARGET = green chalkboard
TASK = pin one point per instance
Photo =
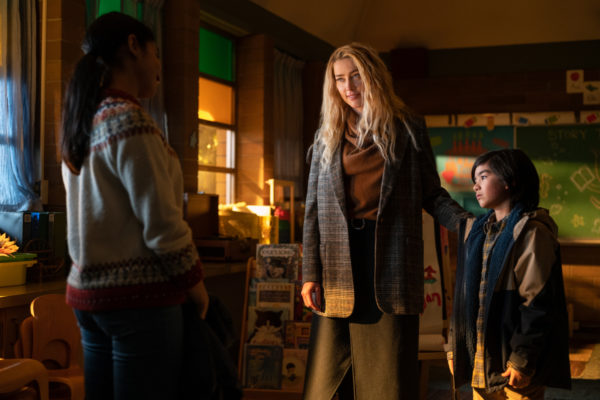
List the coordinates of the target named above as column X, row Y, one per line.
column 567, row 159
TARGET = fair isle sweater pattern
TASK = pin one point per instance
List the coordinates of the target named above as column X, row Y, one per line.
column 118, row 119
column 141, row 254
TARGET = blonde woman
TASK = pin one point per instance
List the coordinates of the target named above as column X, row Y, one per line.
column 372, row 172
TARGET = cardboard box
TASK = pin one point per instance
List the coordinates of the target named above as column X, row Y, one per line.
column 201, row 211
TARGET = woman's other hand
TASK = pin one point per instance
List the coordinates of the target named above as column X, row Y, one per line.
column 312, row 295
column 199, row 296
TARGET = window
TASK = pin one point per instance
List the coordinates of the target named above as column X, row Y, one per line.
column 96, row 8
column 216, row 116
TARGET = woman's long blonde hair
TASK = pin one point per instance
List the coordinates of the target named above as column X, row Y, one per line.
column 381, row 107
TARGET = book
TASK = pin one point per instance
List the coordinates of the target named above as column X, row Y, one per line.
column 307, row 314
column 265, row 325
column 262, row 366
column 278, row 261
column 57, row 234
column 252, row 288
column 293, row 369
column 298, row 302
column 296, row 334
column 276, row 295
column 39, row 227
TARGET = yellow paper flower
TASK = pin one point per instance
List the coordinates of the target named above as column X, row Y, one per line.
column 7, row 246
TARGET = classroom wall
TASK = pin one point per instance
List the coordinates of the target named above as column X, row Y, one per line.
column 255, row 142
column 581, row 271
column 65, row 30
column 312, row 95
column 500, row 79
column 180, row 82
column 526, row 78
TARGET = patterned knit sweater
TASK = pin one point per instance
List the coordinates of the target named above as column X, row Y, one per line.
column 127, row 238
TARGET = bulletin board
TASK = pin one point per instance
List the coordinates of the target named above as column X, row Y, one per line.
column 567, row 159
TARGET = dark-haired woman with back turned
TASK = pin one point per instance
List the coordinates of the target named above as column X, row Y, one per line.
column 134, row 261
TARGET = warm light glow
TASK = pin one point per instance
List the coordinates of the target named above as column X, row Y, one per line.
column 216, row 100
column 261, row 211
column 205, row 115
column 213, row 146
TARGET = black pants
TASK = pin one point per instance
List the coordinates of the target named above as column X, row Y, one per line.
column 380, row 349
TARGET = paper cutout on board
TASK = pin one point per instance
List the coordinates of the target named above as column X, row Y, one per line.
column 488, row 120
column 591, row 92
column 596, row 226
column 544, row 118
column 575, row 81
column 590, row 117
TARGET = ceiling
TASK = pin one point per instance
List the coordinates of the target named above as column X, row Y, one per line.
column 441, row 24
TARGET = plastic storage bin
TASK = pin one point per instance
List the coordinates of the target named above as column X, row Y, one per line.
column 13, row 268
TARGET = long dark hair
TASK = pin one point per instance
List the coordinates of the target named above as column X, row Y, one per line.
column 102, row 46
column 518, row 173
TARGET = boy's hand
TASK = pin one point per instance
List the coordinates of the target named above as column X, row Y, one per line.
column 451, row 367
column 516, row 379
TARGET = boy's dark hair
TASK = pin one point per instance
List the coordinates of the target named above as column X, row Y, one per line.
column 518, row 173
column 102, row 46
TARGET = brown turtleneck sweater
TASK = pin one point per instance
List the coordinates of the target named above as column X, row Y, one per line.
column 363, row 170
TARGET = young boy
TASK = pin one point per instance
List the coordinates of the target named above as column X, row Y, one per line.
column 509, row 333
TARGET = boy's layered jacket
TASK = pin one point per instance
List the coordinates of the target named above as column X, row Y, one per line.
column 525, row 309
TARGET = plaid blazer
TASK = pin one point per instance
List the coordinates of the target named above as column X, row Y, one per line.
column 409, row 184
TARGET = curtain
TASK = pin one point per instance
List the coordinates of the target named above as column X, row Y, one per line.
column 18, row 91
column 288, row 117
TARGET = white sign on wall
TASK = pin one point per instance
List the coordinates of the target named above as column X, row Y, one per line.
column 431, row 322
column 575, row 81
column 591, row 92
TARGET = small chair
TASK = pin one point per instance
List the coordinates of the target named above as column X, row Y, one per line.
column 17, row 376
column 52, row 337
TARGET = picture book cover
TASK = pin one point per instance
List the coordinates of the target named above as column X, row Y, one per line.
column 278, row 261
column 262, row 367
column 298, row 302
column 297, row 334
column 252, row 288
column 265, row 325
column 276, row 295
column 293, row 369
